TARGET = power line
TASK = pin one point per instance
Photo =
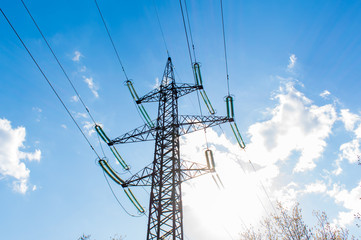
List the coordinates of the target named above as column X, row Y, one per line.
column 57, row 60
column 111, row 40
column 116, row 52
column 55, row 92
column 226, row 61
column 185, row 30
column 160, row 27
column 115, row 196
column 190, row 30
column 225, row 48
column 264, row 189
column 244, row 171
column 190, row 54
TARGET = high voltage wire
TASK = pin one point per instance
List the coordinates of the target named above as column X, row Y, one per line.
column 57, row 60
column 190, row 30
column 120, row 62
column 55, row 92
column 259, row 199
column 227, row 73
column 190, row 55
column 225, row 48
column 111, row 40
column 160, row 27
column 63, row 70
column 72, row 85
column 186, row 33
column 264, row 189
column 115, row 196
column 59, row 98
column 226, row 61
column 116, row 53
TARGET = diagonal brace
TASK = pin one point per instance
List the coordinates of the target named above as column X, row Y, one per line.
column 189, row 170
column 140, row 134
column 187, row 124
column 182, row 89
column 192, row 123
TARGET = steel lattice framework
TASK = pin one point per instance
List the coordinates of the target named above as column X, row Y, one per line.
column 168, row 171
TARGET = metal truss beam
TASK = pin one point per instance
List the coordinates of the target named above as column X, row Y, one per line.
column 186, row 124
column 182, row 89
column 189, row 170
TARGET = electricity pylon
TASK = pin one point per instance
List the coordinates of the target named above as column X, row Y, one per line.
column 167, row 172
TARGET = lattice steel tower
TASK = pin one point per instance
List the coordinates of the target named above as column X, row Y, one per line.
column 168, row 171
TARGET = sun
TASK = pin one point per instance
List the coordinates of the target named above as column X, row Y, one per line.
column 221, row 212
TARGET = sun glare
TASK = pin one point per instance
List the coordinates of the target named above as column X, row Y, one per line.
column 222, row 211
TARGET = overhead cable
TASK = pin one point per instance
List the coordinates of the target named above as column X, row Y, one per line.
column 186, row 33
column 190, row 30
column 60, row 65
column 160, row 27
column 115, row 196
column 111, row 40
column 55, row 92
column 225, row 48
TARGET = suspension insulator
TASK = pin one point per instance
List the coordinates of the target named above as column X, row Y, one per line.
column 237, row 134
column 197, row 74
column 207, row 102
column 140, row 105
column 115, row 152
column 102, row 134
column 210, row 160
column 119, row 158
column 230, row 110
column 132, row 90
column 111, row 173
column 134, row 200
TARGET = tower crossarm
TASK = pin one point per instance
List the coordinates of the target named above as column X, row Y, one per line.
column 141, row 178
column 187, row 124
column 188, row 171
column 192, row 170
column 182, row 89
column 192, row 123
column 140, row 134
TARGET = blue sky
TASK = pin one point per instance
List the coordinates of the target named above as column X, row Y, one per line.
column 294, row 71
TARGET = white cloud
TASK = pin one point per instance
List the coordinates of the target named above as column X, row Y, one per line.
column 349, row 200
column 82, row 69
column 88, row 128
column 295, row 132
column 80, row 115
column 156, row 84
column 91, row 85
column 37, row 109
column 357, row 131
column 295, row 125
column 288, row 194
column 316, row 187
column 349, row 119
column 64, row 126
column 325, row 94
column 77, row 56
column 11, row 141
column 351, row 150
column 74, row 99
column 35, row 156
column 292, row 62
